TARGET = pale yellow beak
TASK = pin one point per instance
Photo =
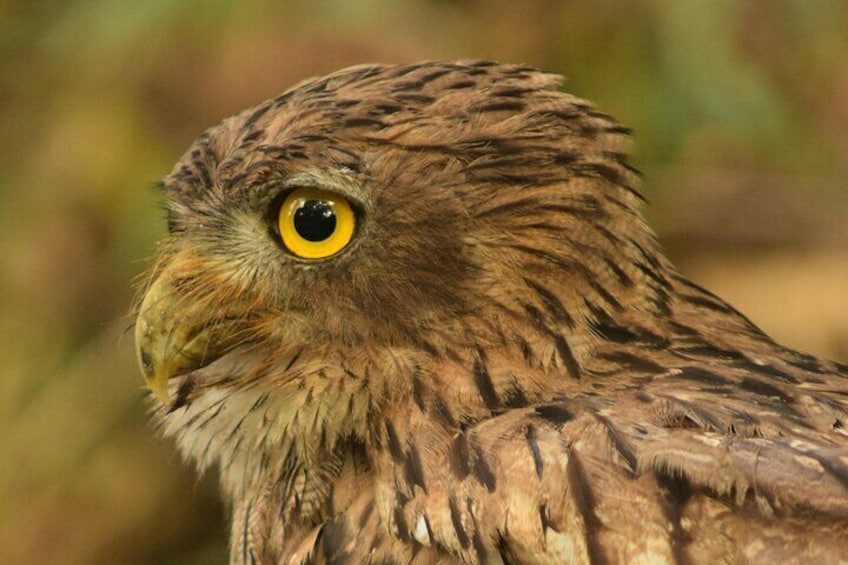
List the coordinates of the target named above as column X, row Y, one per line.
column 174, row 336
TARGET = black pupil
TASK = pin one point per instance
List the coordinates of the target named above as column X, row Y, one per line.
column 315, row 220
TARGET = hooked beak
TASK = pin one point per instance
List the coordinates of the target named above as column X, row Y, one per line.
column 175, row 335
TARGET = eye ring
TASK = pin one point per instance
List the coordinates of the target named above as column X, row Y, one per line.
column 315, row 223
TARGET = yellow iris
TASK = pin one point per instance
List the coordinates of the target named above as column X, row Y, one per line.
column 315, row 223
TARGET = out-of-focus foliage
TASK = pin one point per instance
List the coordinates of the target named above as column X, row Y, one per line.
column 741, row 117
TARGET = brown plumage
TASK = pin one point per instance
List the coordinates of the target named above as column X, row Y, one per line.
column 501, row 365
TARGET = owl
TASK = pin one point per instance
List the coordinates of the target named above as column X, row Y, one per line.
column 413, row 314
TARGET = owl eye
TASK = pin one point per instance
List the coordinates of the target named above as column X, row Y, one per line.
column 315, row 223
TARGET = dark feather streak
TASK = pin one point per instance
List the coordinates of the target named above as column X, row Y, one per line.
column 530, row 437
column 584, row 500
column 484, row 383
column 480, row 467
column 456, row 520
column 555, row 414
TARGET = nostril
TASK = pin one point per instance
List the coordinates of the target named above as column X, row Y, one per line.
column 146, row 362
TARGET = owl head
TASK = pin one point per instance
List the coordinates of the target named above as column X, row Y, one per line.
column 435, row 208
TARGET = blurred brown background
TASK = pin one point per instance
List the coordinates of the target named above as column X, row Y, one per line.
column 741, row 117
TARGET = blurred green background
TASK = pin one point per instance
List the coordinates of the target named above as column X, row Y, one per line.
column 741, row 117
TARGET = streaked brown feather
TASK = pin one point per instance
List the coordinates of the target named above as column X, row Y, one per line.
column 505, row 368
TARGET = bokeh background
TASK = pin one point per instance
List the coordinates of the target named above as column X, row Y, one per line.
column 740, row 110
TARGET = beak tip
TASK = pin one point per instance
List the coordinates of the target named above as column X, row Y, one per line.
column 156, row 380
column 159, row 387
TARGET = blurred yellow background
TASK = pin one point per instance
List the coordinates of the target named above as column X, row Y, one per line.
column 741, row 116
